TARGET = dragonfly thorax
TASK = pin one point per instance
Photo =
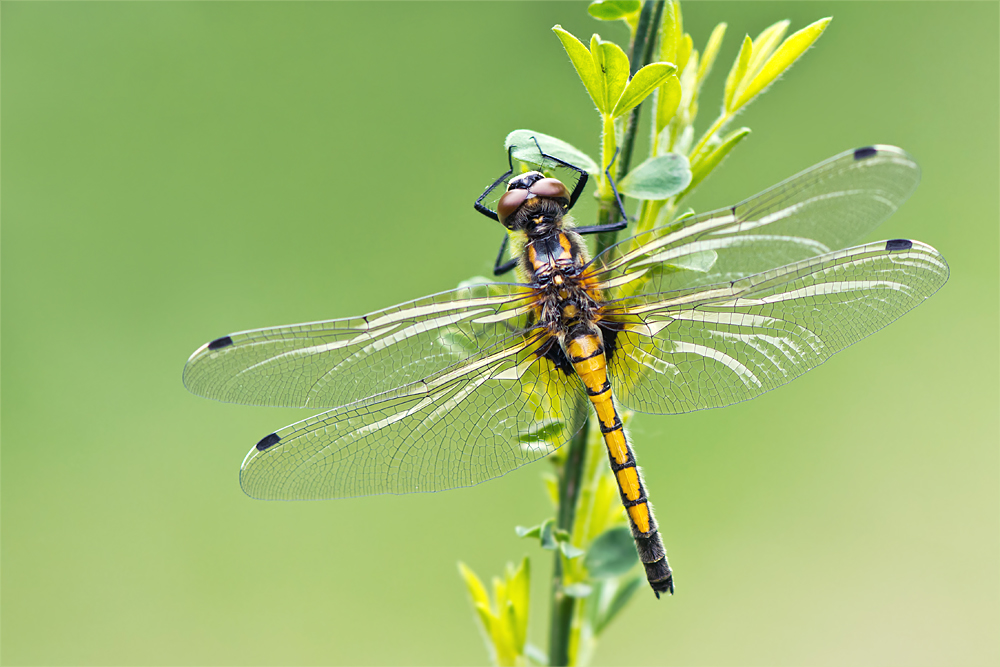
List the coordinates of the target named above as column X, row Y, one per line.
column 555, row 264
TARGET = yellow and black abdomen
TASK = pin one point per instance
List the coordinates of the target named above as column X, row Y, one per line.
column 584, row 348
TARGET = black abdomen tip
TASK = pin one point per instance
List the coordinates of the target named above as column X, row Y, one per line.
column 866, row 152
column 268, row 441
column 219, row 343
column 659, row 576
column 898, row 244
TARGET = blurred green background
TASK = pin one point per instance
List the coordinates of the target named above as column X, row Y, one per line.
column 174, row 172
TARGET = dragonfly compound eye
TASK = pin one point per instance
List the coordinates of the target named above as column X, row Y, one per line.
column 509, row 203
column 550, row 188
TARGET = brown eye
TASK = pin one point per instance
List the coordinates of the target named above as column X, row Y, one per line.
column 551, row 188
column 509, row 203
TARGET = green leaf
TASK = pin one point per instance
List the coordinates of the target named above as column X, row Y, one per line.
column 642, row 85
column 552, row 487
column 578, row 54
column 578, row 590
column 534, row 531
column 547, row 538
column 711, row 51
column 570, row 551
column 550, row 146
column 684, row 52
column 518, row 595
column 611, row 554
column 476, row 589
column 697, row 261
column 765, row 44
column 657, row 178
column 612, row 10
column 787, row 53
column 670, row 33
column 613, row 64
column 536, row 655
column 737, row 73
column 704, row 166
column 670, row 99
column 487, row 620
column 700, row 261
column 621, row 597
column 543, row 432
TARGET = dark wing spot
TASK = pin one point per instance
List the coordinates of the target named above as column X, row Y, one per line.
column 898, row 244
column 219, row 343
column 866, row 152
column 268, row 441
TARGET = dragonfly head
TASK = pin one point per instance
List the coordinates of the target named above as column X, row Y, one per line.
column 531, row 191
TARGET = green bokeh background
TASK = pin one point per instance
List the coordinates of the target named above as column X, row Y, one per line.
column 173, row 172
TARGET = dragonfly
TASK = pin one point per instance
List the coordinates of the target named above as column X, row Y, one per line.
column 463, row 386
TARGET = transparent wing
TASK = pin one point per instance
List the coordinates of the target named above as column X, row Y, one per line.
column 718, row 345
column 332, row 363
column 825, row 208
column 505, row 407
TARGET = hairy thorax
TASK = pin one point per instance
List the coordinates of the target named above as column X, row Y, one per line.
column 553, row 258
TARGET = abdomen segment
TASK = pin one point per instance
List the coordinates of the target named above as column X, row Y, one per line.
column 586, row 353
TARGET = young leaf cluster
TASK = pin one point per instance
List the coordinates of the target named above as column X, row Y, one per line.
column 503, row 620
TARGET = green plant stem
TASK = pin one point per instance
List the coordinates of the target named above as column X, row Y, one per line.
column 642, row 55
column 604, row 213
column 561, row 620
column 716, row 126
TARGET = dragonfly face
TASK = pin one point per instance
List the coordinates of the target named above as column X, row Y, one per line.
column 464, row 386
column 531, row 200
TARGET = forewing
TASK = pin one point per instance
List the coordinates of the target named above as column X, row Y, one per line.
column 722, row 344
column 336, row 362
column 482, row 418
column 825, row 208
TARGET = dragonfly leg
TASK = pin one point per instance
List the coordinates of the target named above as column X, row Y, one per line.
column 502, row 268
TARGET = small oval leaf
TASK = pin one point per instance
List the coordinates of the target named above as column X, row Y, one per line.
column 670, row 32
column 580, row 56
column 765, row 44
column 670, row 99
column 611, row 554
column 551, row 146
column 737, row 73
column 534, row 531
column 645, row 81
column 621, row 597
column 547, row 538
column 614, row 66
column 657, row 178
column 570, row 551
column 711, row 51
column 612, row 10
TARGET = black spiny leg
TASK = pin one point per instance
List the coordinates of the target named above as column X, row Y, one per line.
column 498, row 268
column 611, row 226
column 492, row 215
